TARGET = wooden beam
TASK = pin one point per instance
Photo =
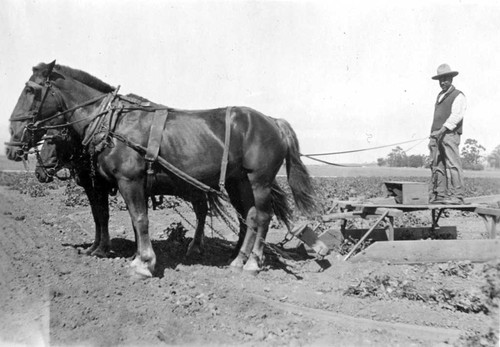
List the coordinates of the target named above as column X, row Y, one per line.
column 367, row 211
column 416, row 233
column 430, row 251
column 488, row 211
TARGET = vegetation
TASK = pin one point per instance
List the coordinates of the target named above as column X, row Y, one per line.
column 471, row 155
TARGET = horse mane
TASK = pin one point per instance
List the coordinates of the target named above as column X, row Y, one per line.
column 80, row 76
column 138, row 97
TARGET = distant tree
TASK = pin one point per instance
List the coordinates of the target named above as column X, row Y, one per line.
column 471, row 155
column 417, row 160
column 397, row 158
column 381, row 162
column 494, row 158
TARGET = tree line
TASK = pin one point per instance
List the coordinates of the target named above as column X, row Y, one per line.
column 472, row 155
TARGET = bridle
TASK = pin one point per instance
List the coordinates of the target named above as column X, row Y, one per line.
column 33, row 115
column 35, row 121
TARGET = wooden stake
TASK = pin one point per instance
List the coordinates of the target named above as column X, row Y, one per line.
column 366, row 235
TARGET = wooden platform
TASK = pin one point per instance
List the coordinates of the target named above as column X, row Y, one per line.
column 420, row 251
column 490, row 216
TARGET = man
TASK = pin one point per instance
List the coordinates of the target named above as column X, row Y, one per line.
column 447, row 174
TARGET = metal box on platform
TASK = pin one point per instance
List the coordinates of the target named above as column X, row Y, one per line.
column 408, row 193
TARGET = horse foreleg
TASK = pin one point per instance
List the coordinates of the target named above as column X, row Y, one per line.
column 196, row 246
column 133, row 194
column 98, row 199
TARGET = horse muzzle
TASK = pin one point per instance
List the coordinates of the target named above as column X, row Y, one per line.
column 44, row 175
column 15, row 152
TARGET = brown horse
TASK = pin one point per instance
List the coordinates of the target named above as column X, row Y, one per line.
column 192, row 141
column 63, row 150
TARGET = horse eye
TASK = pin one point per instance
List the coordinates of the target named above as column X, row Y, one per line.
column 30, row 90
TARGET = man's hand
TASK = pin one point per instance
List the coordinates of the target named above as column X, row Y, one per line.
column 438, row 134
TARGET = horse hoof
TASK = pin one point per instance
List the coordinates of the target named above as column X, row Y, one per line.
column 252, row 265
column 235, row 269
column 194, row 252
column 90, row 250
column 140, row 275
column 237, row 263
column 99, row 253
column 140, row 270
column 252, row 273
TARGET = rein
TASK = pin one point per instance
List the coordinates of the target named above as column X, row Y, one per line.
column 86, row 103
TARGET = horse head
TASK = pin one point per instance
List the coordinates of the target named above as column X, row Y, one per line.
column 38, row 100
column 58, row 152
column 52, row 95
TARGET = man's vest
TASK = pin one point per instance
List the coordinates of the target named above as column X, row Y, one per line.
column 443, row 111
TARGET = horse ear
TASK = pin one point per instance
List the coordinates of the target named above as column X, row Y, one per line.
column 50, row 67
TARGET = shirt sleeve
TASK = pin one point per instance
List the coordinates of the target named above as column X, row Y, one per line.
column 457, row 112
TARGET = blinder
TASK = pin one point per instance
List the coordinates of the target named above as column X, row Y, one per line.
column 33, row 125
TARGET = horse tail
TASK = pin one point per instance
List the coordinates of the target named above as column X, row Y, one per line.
column 280, row 205
column 215, row 204
column 298, row 178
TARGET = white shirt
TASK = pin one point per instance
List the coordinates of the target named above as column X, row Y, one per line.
column 457, row 110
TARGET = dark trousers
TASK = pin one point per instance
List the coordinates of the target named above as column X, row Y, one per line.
column 447, row 174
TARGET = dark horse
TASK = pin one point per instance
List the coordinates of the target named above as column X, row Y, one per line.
column 63, row 150
column 192, row 141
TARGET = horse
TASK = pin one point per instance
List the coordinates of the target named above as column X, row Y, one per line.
column 62, row 150
column 194, row 142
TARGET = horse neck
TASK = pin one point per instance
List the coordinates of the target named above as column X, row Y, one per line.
column 77, row 94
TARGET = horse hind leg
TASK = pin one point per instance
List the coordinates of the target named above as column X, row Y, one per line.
column 196, row 246
column 241, row 197
column 263, row 214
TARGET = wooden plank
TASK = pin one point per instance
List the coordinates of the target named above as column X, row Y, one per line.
column 349, row 205
column 378, row 211
column 434, row 251
column 367, row 211
column 488, row 211
column 341, row 215
column 444, row 233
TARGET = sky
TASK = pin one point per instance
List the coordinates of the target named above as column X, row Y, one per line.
column 347, row 75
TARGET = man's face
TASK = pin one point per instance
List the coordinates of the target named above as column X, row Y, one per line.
column 445, row 82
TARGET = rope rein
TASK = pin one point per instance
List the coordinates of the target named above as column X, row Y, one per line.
column 363, row 149
column 311, row 156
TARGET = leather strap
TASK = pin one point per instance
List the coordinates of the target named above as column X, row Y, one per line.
column 225, row 154
column 155, row 134
column 101, row 112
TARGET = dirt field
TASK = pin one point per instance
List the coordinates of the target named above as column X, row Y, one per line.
column 53, row 294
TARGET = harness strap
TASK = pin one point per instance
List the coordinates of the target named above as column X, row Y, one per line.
column 155, row 134
column 154, row 142
column 225, row 154
column 103, row 108
column 181, row 174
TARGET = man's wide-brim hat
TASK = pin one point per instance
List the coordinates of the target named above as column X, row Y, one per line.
column 444, row 70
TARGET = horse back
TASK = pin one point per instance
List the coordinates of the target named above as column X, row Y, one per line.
column 194, row 140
